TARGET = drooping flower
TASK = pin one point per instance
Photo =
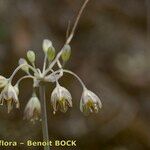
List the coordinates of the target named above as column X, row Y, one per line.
column 9, row 95
column 3, row 82
column 33, row 109
column 61, row 99
column 90, row 102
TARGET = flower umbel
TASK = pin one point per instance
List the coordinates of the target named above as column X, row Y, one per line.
column 33, row 109
column 10, row 95
column 52, row 71
column 90, row 102
column 61, row 99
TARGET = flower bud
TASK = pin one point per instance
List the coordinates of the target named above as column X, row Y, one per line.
column 46, row 44
column 51, row 53
column 31, row 56
column 3, row 81
column 66, row 53
column 25, row 67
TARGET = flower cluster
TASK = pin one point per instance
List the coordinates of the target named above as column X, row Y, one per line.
column 61, row 98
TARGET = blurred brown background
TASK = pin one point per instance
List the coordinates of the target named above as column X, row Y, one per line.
column 110, row 52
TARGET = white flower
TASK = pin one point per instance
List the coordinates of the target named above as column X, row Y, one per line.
column 33, row 109
column 3, row 81
column 10, row 95
column 90, row 102
column 46, row 44
column 61, row 99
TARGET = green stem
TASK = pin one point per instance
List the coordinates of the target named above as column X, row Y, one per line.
column 44, row 64
column 44, row 116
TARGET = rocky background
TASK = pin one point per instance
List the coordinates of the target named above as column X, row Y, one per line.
column 110, row 52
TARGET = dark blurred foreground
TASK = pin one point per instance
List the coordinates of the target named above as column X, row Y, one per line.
column 110, row 52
